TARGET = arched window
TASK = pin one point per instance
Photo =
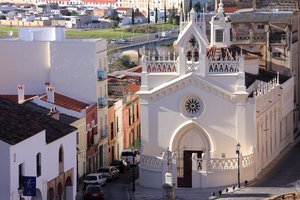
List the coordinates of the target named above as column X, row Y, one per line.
column 192, row 49
column 61, row 160
column 61, row 155
column 38, row 164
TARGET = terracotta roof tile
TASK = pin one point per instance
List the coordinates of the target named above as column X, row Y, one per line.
column 230, row 9
column 122, row 9
column 132, row 87
column 99, row 1
column 14, row 98
column 67, row 102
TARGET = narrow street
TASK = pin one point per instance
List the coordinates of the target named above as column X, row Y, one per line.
column 120, row 188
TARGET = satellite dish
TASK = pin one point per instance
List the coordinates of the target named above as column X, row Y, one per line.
column 10, row 33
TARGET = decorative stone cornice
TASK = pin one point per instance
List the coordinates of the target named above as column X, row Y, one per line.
column 186, row 81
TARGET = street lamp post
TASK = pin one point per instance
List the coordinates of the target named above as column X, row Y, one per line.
column 238, row 147
column 20, row 191
column 133, row 181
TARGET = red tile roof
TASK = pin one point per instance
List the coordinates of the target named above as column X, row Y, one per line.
column 137, row 69
column 99, row 1
column 230, row 9
column 132, row 87
column 122, row 9
column 14, row 98
column 67, row 102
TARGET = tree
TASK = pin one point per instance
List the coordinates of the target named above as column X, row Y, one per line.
column 156, row 16
column 148, row 13
column 115, row 19
column 171, row 17
column 191, row 5
column 122, row 63
column 132, row 16
column 165, row 13
column 72, row 13
column 197, row 7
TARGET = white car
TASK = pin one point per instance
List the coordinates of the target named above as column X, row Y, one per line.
column 131, row 156
column 95, row 179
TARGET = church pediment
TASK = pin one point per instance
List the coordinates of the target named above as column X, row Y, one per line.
column 192, row 29
column 182, row 82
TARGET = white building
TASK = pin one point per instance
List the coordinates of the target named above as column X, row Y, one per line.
column 203, row 103
column 35, row 145
column 74, row 67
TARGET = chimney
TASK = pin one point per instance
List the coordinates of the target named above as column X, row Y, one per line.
column 54, row 113
column 47, row 84
column 50, row 94
column 20, row 93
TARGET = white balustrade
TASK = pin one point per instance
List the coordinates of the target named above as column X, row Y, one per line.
column 151, row 162
column 223, row 66
column 162, row 66
column 223, row 164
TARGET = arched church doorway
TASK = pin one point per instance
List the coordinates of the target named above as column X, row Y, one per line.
column 189, row 139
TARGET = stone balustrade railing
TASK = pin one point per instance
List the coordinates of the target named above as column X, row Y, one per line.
column 223, row 164
column 151, row 162
column 223, row 66
column 162, row 66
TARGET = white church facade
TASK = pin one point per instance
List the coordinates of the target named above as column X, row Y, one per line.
column 203, row 102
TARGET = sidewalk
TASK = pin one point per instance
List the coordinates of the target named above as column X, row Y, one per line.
column 249, row 192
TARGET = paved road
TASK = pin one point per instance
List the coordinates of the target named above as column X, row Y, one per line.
column 139, row 39
column 281, row 179
column 286, row 173
column 118, row 189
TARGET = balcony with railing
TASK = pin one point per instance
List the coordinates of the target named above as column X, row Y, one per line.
column 102, row 75
column 102, row 102
column 249, row 38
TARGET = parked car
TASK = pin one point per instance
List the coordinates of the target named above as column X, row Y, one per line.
column 94, row 179
column 111, row 170
column 93, row 192
column 121, row 165
column 114, row 40
column 131, row 156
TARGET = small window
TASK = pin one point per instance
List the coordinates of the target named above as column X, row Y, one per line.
column 60, row 155
column 38, row 165
column 276, row 54
column 77, row 137
column 111, row 130
column 260, row 26
column 21, row 170
column 219, row 35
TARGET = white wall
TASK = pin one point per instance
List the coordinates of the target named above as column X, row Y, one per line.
column 25, row 63
column 70, row 65
column 5, row 170
column 218, row 119
column 73, row 70
column 119, row 114
column 26, row 151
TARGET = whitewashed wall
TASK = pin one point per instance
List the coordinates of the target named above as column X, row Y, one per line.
column 26, row 63
column 119, row 114
column 5, row 170
column 26, row 151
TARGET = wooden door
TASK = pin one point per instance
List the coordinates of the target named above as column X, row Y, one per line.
column 186, row 180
